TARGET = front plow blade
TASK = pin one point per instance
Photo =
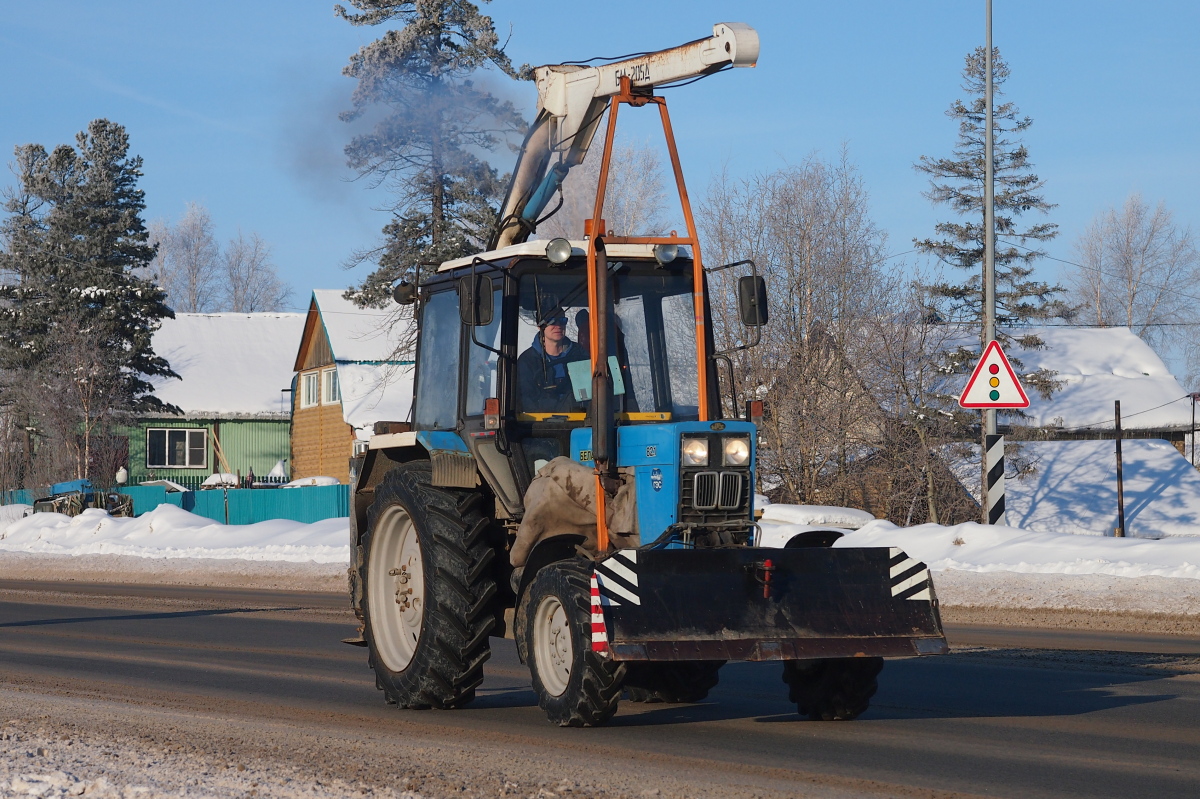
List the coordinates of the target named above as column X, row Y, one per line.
column 765, row 604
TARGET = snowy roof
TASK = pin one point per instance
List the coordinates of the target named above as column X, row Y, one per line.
column 231, row 364
column 1097, row 366
column 362, row 335
column 375, row 385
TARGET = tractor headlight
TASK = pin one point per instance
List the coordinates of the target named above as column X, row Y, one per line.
column 695, row 452
column 737, row 451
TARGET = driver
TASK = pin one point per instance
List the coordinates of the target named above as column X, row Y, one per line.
column 542, row 378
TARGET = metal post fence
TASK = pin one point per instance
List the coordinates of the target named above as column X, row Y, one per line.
column 1120, row 531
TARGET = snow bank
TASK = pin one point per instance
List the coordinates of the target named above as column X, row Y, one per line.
column 975, row 547
column 312, row 481
column 11, row 513
column 850, row 518
column 170, row 532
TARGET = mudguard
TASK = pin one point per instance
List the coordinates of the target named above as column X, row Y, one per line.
column 743, row 603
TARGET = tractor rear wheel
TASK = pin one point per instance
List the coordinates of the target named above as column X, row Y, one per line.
column 429, row 592
column 673, row 683
column 576, row 687
column 833, row 689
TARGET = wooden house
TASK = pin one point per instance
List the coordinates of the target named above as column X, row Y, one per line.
column 234, row 394
column 347, row 377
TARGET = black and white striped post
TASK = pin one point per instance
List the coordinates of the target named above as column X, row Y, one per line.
column 994, row 474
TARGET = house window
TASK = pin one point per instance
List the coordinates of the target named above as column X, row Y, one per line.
column 331, row 392
column 176, row 448
column 310, row 389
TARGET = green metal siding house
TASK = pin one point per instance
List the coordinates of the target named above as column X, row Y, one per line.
column 235, row 394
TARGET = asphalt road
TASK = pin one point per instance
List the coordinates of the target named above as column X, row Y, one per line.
column 1025, row 717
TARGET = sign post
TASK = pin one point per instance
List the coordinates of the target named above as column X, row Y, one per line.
column 993, row 385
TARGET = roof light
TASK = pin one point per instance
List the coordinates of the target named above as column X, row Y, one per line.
column 558, row 251
column 665, row 253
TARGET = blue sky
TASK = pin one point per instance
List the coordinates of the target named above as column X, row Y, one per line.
column 234, row 104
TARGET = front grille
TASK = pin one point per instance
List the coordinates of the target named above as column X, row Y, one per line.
column 704, row 492
column 708, row 497
column 731, row 491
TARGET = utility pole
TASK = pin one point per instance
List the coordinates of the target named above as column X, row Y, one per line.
column 989, row 264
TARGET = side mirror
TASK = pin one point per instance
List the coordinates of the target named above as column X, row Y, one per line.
column 475, row 305
column 752, row 300
column 405, row 293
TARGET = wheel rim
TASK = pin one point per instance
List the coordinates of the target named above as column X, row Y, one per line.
column 396, row 589
column 553, row 652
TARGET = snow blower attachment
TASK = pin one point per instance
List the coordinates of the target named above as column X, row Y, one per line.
column 566, row 477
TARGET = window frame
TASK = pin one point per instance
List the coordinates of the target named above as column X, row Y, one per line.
column 305, row 378
column 187, row 447
column 328, row 397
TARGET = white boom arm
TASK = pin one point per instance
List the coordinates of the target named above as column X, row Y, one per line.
column 571, row 100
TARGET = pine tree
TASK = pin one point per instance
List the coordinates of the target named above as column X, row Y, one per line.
column 959, row 183
column 433, row 121
column 73, row 246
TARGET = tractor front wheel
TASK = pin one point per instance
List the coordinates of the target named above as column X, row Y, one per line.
column 833, row 689
column 673, row 683
column 576, row 687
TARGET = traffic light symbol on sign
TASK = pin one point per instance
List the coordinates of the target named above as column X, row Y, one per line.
column 993, row 384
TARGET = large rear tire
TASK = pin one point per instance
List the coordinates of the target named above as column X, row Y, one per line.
column 576, row 687
column 834, row 689
column 428, row 590
column 672, row 683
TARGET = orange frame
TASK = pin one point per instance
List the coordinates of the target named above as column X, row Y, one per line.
column 692, row 239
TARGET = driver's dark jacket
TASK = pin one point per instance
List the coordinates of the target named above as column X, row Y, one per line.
column 542, row 380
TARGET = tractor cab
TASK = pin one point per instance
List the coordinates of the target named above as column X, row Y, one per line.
column 522, row 379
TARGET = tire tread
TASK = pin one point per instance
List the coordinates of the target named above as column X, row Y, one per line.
column 459, row 591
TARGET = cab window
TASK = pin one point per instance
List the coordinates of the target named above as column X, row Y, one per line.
column 437, row 379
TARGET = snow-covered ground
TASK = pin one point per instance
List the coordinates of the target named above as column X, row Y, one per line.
column 974, row 565
column 977, row 565
column 1072, row 488
column 170, row 533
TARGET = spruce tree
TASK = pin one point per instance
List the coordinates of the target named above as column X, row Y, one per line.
column 73, row 248
column 433, row 121
column 958, row 182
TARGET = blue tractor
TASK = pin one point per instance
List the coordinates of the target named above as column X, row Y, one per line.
column 567, row 477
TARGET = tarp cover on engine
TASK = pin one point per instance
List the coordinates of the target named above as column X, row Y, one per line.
column 561, row 500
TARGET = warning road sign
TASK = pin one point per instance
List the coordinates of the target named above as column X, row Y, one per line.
column 993, row 384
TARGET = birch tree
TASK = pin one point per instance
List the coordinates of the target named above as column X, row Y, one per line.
column 1133, row 261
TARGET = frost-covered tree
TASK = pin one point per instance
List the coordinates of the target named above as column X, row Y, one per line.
column 74, row 307
column 958, row 182
column 200, row 276
column 187, row 260
column 1132, row 261
column 251, row 281
column 635, row 201
column 431, row 123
